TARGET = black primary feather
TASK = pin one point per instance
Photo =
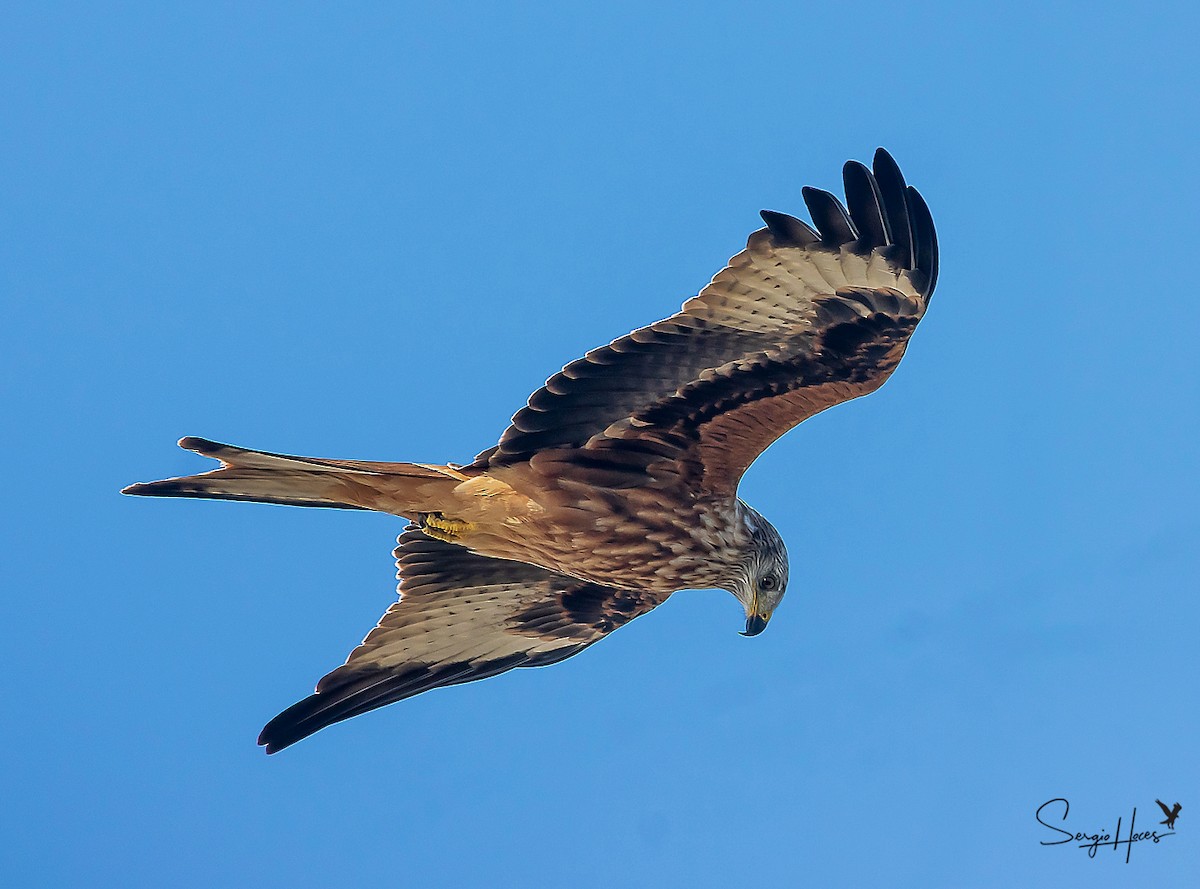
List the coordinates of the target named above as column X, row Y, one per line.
column 866, row 206
column 926, row 260
column 788, row 231
column 830, row 217
column 894, row 193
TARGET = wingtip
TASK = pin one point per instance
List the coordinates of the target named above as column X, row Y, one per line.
column 269, row 748
column 883, row 158
column 788, row 230
column 270, row 742
column 885, row 167
column 925, row 238
column 853, row 167
column 197, row 444
column 865, row 205
column 829, row 216
column 893, row 194
column 294, row 724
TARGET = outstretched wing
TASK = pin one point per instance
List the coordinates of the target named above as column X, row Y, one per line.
column 1163, row 806
column 460, row 617
column 802, row 319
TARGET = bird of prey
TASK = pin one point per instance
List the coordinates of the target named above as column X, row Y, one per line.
column 1171, row 814
column 616, row 485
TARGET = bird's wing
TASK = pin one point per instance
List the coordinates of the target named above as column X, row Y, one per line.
column 460, row 617
column 1163, row 806
column 802, row 319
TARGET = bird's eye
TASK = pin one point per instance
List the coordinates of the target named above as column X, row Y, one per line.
column 768, row 582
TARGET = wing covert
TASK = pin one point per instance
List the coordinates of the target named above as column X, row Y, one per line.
column 800, row 320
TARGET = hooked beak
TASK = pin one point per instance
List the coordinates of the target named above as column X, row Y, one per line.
column 756, row 623
column 756, row 617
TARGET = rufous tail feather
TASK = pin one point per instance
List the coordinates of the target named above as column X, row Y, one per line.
column 263, row 477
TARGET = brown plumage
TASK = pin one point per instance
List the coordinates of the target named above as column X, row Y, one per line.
column 616, row 484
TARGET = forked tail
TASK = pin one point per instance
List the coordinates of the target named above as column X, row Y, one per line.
column 263, row 477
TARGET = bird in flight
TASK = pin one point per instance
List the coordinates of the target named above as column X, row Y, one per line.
column 616, row 485
column 1171, row 814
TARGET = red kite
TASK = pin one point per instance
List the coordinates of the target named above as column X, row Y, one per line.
column 616, row 485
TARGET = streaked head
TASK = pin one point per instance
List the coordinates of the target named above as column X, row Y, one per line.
column 763, row 580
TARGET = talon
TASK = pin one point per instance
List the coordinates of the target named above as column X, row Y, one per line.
column 441, row 528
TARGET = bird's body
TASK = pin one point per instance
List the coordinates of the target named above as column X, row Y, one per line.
column 617, row 484
column 646, row 538
column 642, row 540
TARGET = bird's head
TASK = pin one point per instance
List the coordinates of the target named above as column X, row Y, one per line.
column 763, row 578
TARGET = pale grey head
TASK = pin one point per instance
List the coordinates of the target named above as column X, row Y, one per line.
column 763, row 578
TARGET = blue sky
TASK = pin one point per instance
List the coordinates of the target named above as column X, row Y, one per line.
column 371, row 232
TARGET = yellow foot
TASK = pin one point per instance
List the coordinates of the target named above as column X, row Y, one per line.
column 446, row 530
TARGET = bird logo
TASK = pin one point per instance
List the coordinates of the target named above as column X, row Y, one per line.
column 1171, row 814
